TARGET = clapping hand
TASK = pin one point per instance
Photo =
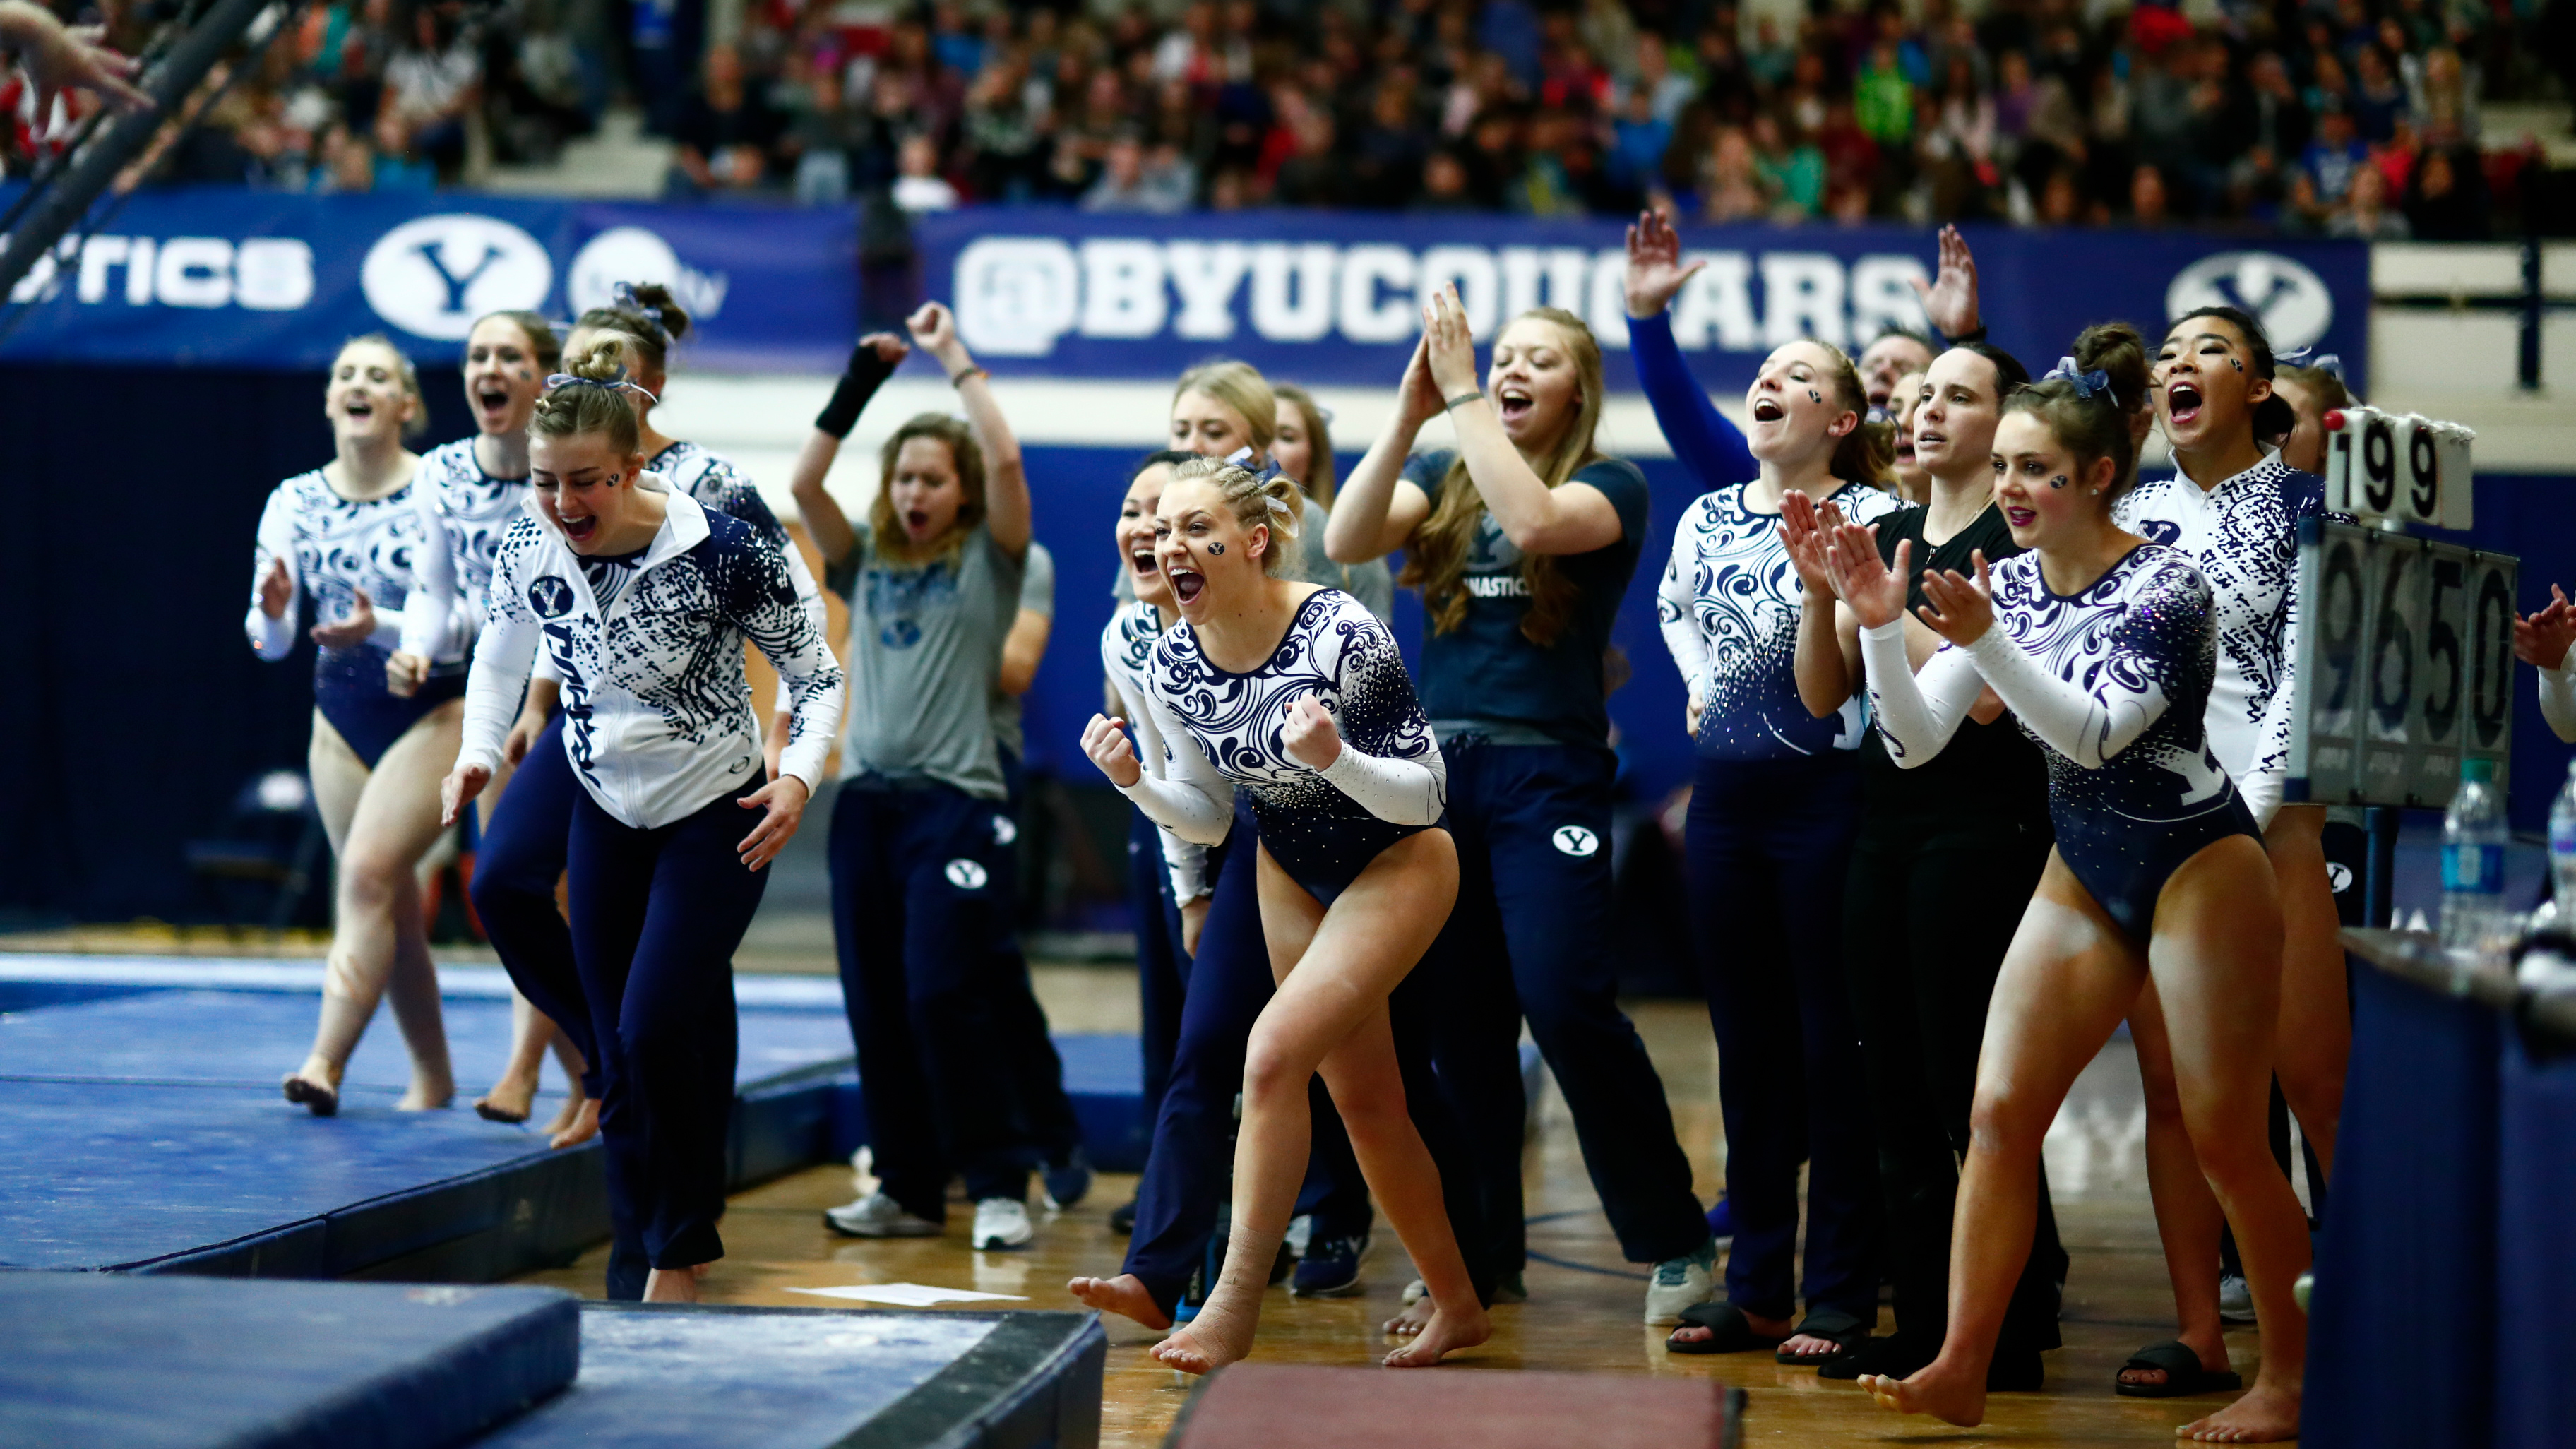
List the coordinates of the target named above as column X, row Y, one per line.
column 1105, row 741
column 1804, row 529
column 1309, row 736
column 2542, row 639
column 1875, row 591
column 1958, row 609
column 1448, row 344
column 351, row 629
column 276, row 589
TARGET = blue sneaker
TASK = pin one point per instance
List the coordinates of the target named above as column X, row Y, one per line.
column 1069, row 1183
column 1721, row 1221
column 1331, row 1267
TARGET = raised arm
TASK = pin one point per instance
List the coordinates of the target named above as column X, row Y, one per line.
column 1376, row 510
column 1006, row 481
column 1700, row 435
column 871, row 363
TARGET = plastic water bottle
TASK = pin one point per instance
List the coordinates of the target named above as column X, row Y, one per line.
column 2473, row 840
column 2562, row 848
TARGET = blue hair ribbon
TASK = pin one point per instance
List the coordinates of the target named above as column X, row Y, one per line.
column 623, row 294
column 2325, row 362
column 2096, row 383
column 1269, row 469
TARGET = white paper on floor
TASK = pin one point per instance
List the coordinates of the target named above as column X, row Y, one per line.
column 910, row 1295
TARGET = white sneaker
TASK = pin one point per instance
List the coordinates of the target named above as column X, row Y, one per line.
column 2235, row 1299
column 1415, row 1292
column 1679, row 1283
column 878, row 1216
column 1002, row 1222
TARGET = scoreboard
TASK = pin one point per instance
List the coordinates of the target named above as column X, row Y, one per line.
column 2405, row 666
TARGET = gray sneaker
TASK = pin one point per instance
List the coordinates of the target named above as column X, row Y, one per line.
column 2235, row 1299
column 878, row 1216
column 1680, row 1282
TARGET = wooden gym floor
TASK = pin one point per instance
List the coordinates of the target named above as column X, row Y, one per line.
column 1583, row 1312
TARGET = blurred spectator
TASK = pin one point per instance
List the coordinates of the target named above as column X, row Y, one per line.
column 1792, row 173
column 724, row 131
column 1444, row 185
column 836, row 146
column 1639, row 139
column 918, row 186
column 2335, row 154
column 2443, row 201
column 1129, row 183
column 2147, row 197
column 1883, row 99
column 1652, row 78
column 2365, row 213
column 431, row 81
column 399, row 164
column 1731, row 185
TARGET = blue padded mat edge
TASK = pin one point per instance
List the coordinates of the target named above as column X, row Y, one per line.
column 139, row 1363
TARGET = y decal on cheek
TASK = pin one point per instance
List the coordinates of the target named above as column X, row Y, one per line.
column 1216, row 548
column 2236, row 362
column 2057, row 482
column 1813, row 396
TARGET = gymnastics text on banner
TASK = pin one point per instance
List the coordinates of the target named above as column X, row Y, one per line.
column 1334, row 298
column 226, row 277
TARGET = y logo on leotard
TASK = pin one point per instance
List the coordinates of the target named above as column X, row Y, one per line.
column 550, row 596
column 1576, row 841
column 966, row 875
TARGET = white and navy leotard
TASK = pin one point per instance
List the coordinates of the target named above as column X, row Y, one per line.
column 2114, row 682
column 1222, row 730
column 2243, row 535
column 466, row 511
column 714, row 481
column 333, row 547
column 1728, row 604
column 1126, row 658
column 656, row 707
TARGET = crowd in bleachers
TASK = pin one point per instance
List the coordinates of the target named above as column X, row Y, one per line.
column 2354, row 117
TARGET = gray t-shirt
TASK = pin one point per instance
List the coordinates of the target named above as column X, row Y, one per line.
column 1037, row 596
column 925, row 650
column 1372, row 583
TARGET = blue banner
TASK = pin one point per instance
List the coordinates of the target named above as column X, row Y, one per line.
column 1333, row 298
column 227, row 277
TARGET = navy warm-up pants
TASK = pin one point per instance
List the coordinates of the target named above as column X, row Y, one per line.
column 522, row 856
column 1189, row 1167
column 1769, row 843
column 920, row 909
column 1043, row 1112
column 1531, row 937
column 656, row 916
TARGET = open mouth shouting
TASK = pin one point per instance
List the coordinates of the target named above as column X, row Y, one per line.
column 916, row 521
column 578, row 529
column 1141, row 561
column 1904, row 446
column 1513, row 402
column 492, row 400
column 358, row 407
column 2018, row 516
column 1768, row 410
column 1187, row 583
column 2182, row 403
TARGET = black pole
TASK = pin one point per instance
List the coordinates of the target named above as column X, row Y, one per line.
column 169, row 84
column 2379, row 879
column 2527, row 371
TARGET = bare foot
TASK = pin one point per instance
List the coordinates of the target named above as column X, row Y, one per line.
column 1209, row 1342
column 1445, row 1333
column 699, row 1271
column 1951, row 1394
column 315, row 1087
column 1808, row 1345
column 508, row 1101
column 2266, row 1415
column 565, row 1116
column 672, row 1285
column 1121, row 1295
column 584, row 1125
column 427, row 1095
column 1415, row 1317
column 1766, row 1327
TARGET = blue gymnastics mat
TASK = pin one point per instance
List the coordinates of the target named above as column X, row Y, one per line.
column 667, row 1377
column 141, row 1126
column 110, row 1362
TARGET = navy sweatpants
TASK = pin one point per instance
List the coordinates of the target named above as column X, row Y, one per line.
column 1042, row 1111
column 919, row 912
column 656, row 917
column 1162, row 967
column 523, row 853
column 1531, row 937
column 1769, row 843
column 1189, row 1167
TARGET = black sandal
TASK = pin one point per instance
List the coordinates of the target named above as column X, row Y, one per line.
column 1729, row 1331
column 2184, row 1377
column 1833, row 1324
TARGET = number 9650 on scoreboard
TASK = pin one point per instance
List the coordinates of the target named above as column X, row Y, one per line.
column 2404, row 665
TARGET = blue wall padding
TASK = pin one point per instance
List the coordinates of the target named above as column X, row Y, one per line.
column 176, row 1363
